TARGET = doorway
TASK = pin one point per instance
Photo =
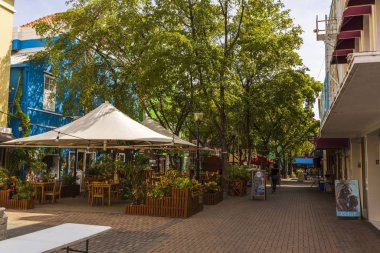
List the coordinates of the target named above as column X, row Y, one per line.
column 85, row 159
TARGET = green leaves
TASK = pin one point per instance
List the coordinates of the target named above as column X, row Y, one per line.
column 236, row 61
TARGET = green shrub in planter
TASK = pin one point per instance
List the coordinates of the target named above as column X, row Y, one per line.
column 24, row 190
column 5, row 181
column 68, row 180
column 211, row 187
column 237, row 173
column 182, row 183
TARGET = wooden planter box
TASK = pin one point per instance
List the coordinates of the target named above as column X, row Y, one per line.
column 69, row 191
column 7, row 202
column 4, row 195
column 237, row 188
column 180, row 205
column 212, row 198
column 22, row 204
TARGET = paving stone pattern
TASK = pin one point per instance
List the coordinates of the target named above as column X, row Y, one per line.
column 297, row 218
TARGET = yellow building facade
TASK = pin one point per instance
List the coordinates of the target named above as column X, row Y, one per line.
column 6, row 17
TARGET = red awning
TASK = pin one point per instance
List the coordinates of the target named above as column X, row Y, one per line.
column 348, row 35
column 342, row 52
column 352, row 24
column 360, row 2
column 340, row 56
column 339, row 60
column 332, row 143
column 345, row 44
column 357, row 11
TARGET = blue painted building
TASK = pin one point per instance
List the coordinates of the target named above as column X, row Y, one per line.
column 37, row 84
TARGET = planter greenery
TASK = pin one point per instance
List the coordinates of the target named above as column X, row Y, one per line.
column 103, row 168
column 25, row 190
column 180, row 204
column 172, row 180
column 300, row 174
column 69, row 187
column 237, row 180
column 213, row 193
column 5, row 181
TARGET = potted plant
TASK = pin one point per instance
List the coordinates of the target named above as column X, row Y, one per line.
column 5, row 183
column 237, row 180
column 213, row 193
column 25, row 190
column 134, row 185
column 24, row 198
column 69, row 186
column 300, row 175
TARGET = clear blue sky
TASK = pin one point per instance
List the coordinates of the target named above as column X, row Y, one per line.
column 302, row 11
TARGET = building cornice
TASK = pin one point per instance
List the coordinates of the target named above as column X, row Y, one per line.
column 7, row 6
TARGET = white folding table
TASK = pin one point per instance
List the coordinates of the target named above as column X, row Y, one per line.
column 53, row 238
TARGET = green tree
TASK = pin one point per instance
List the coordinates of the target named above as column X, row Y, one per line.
column 235, row 60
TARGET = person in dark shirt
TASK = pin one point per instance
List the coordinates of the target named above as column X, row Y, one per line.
column 274, row 173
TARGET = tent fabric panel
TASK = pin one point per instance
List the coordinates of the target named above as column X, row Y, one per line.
column 104, row 125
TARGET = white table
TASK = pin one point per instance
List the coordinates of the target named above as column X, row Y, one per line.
column 54, row 238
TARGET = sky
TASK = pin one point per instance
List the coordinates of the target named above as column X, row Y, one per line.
column 303, row 12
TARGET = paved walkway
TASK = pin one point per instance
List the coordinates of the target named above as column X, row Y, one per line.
column 297, row 218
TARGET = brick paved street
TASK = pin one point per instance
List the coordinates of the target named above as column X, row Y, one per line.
column 295, row 219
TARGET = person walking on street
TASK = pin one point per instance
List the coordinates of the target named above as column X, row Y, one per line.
column 274, row 173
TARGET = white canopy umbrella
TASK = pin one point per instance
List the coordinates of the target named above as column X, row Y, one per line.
column 103, row 127
column 157, row 127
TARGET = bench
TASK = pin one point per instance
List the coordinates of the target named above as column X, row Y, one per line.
column 58, row 237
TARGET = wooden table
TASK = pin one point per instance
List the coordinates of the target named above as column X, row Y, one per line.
column 42, row 186
column 52, row 239
column 108, row 187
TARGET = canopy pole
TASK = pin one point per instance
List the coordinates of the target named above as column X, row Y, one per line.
column 75, row 170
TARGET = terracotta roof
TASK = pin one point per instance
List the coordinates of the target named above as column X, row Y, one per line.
column 48, row 18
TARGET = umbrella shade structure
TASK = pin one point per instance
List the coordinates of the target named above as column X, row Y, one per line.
column 157, row 127
column 103, row 127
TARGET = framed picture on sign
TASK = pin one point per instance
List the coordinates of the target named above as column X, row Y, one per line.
column 347, row 198
column 258, row 185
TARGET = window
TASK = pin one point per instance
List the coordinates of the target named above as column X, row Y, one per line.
column 49, row 93
column 120, row 157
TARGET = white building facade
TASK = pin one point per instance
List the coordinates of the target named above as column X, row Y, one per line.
column 350, row 101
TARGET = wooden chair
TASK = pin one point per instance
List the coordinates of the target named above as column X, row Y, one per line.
column 115, row 192
column 89, row 191
column 97, row 192
column 58, row 192
column 50, row 191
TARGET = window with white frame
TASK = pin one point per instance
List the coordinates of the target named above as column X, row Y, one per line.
column 49, row 93
column 120, row 157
